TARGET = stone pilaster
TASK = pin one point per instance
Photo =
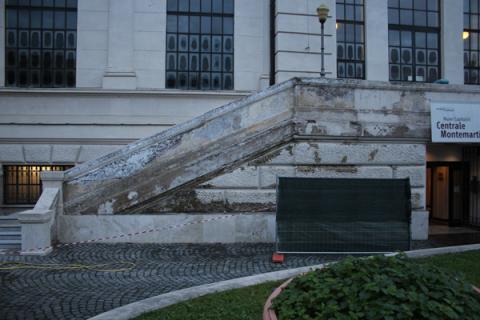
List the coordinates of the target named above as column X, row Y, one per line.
column 120, row 73
column 298, row 39
column 2, row 43
column 452, row 41
column 376, row 39
column 1, row 184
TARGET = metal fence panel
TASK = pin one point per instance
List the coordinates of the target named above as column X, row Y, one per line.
column 343, row 215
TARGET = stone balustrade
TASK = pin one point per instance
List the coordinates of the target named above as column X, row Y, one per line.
column 39, row 225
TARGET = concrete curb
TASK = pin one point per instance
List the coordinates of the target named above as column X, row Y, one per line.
column 135, row 309
column 443, row 250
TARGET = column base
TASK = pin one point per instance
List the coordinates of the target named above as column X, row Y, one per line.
column 120, row 80
column 419, row 225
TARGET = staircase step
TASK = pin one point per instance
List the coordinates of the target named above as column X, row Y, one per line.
column 10, row 228
column 10, row 235
column 9, row 216
column 10, row 244
column 13, row 222
column 9, row 221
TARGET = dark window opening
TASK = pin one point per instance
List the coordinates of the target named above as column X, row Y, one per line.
column 200, row 44
column 350, row 39
column 41, row 42
column 471, row 43
column 414, row 40
column 22, row 183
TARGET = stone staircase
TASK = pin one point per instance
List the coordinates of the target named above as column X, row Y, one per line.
column 228, row 160
column 141, row 175
column 10, row 233
column 184, row 156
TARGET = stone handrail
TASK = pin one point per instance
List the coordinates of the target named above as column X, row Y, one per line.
column 179, row 129
column 184, row 154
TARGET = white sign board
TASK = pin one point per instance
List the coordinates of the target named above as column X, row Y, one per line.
column 455, row 122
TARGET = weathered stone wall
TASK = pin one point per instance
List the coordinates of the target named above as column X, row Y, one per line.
column 183, row 156
column 251, row 188
column 228, row 160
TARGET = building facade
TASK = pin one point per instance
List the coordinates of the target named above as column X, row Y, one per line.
column 80, row 79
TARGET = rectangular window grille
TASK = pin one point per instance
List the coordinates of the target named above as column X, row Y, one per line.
column 40, row 43
column 22, row 184
column 200, row 44
column 471, row 47
column 414, row 40
column 350, row 39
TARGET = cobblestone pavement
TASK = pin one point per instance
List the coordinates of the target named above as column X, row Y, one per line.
column 80, row 294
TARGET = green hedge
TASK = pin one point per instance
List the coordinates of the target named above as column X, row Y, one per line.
column 378, row 288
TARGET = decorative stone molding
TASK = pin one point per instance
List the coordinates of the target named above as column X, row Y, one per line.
column 120, row 72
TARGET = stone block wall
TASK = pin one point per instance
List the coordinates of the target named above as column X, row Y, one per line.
column 128, row 38
column 228, row 160
column 298, row 40
column 333, row 129
column 252, row 187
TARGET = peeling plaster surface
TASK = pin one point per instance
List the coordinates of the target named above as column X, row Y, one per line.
column 106, row 208
column 303, row 127
column 128, row 166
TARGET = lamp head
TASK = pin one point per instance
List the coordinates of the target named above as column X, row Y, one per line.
column 322, row 13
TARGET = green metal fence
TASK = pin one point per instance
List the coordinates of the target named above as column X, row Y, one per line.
column 343, row 215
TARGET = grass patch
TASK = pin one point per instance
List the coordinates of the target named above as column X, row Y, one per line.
column 466, row 262
column 247, row 303
column 238, row 304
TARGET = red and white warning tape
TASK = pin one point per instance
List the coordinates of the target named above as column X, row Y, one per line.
column 127, row 235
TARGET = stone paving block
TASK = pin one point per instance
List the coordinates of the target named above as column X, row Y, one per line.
column 80, row 294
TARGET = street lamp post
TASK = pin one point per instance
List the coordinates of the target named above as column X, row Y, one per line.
column 322, row 12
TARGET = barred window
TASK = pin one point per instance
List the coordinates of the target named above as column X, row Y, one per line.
column 22, row 183
column 200, row 44
column 414, row 40
column 41, row 42
column 471, row 47
column 350, row 39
